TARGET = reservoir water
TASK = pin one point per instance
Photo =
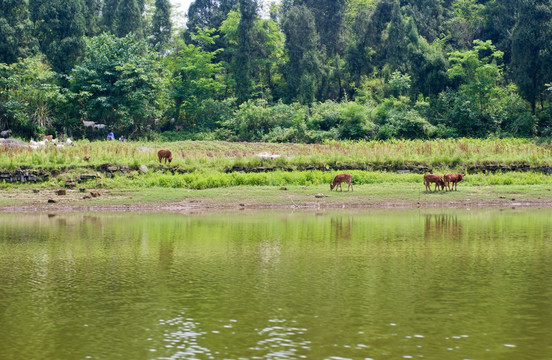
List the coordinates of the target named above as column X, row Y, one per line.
column 351, row 284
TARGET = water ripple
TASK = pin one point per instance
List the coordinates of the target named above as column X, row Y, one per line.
column 281, row 341
column 184, row 339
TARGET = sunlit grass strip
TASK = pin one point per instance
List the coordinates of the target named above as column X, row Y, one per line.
column 197, row 155
column 202, row 180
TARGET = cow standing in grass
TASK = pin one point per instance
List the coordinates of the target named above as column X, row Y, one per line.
column 432, row 178
column 341, row 178
column 165, row 155
column 454, row 179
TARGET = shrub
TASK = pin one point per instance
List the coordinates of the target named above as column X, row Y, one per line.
column 356, row 124
column 398, row 119
column 254, row 121
column 325, row 116
column 514, row 114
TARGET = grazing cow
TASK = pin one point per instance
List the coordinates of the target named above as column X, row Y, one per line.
column 165, row 154
column 47, row 137
column 6, row 134
column 454, row 179
column 341, row 178
column 432, row 178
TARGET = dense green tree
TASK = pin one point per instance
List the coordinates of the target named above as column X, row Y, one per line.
column 428, row 68
column 478, row 71
column 29, row 96
column 499, row 21
column 209, row 14
column 329, row 16
column 16, row 40
column 142, row 5
column 304, row 67
column 266, row 53
column 253, row 121
column 359, row 52
column 59, row 27
column 128, row 19
column 92, row 16
column 366, row 43
column 108, row 14
column 418, row 68
column 120, row 83
column 196, row 79
column 162, row 24
column 242, row 59
column 428, row 16
column 530, row 40
column 396, row 41
column 465, row 23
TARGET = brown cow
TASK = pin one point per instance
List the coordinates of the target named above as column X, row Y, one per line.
column 454, row 179
column 431, row 178
column 341, row 178
column 165, row 154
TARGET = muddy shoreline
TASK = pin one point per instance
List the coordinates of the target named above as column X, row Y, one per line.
column 46, row 200
column 213, row 207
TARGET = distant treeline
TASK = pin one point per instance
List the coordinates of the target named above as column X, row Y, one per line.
column 299, row 71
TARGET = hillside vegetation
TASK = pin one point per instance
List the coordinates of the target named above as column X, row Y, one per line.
column 301, row 71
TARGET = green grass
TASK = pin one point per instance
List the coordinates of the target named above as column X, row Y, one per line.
column 201, row 164
column 200, row 180
column 217, row 155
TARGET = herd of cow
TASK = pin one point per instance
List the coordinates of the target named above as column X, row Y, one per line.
column 450, row 181
column 444, row 181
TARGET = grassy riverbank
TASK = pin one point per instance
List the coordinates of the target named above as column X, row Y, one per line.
column 200, row 180
column 225, row 175
column 221, row 156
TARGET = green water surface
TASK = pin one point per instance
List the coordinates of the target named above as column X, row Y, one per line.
column 380, row 284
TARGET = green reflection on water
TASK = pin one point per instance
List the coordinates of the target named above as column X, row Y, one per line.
column 271, row 285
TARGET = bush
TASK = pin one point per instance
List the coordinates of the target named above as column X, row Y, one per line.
column 213, row 112
column 514, row 114
column 456, row 111
column 356, row 124
column 254, row 121
column 325, row 116
column 397, row 119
